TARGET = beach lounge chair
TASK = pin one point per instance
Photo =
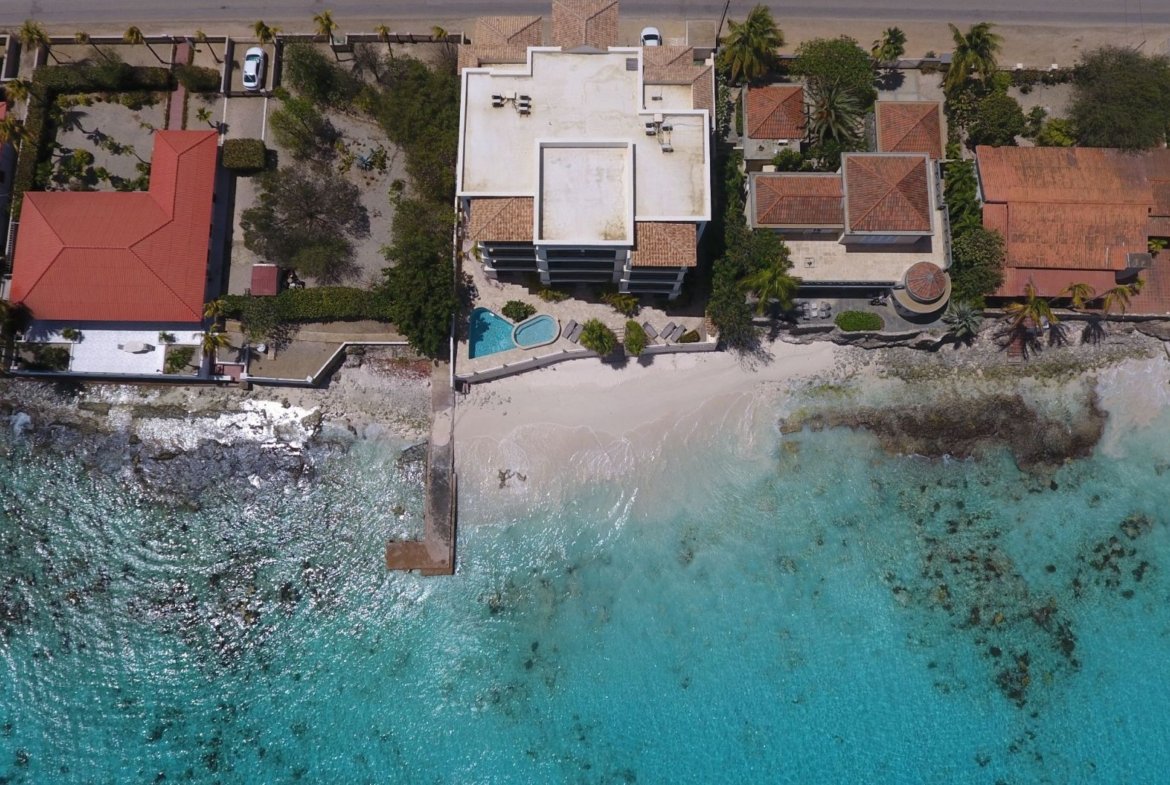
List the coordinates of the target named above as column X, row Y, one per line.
column 569, row 327
column 649, row 329
column 576, row 334
column 667, row 330
column 826, row 309
column 677, row 333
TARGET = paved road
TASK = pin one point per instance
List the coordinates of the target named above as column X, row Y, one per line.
column 154, row 15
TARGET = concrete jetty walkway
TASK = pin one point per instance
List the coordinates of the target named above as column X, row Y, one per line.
column 434, row 554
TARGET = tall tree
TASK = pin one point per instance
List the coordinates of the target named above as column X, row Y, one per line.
column 384, row 36
column 890, row 47
column 33, row 36
column 201, row 37
column 264, row 34
column 1121, row 98
column 134, row 36
column 11, row 129
column 1079, row 295
column 837, row 61
column 1033, row 313
column 834, row 114
column 212, row 341
column 324, row 25
column 1117, row 298
column 773, row 282
column 83, row 38
column 749, row 50
column 18, row 89
column 975, row 55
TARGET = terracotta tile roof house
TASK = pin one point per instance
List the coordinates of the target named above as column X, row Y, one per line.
column 887, row 194
column 794, row 200
column 591, row 23
column 1158, row 173
column 775, row 112
column 664, row 244
column 500, row 39
column 675, row 65
column 1071, row 214
column 909, row 127
column 122, row 257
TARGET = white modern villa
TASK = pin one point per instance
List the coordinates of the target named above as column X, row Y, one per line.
column 586, row 162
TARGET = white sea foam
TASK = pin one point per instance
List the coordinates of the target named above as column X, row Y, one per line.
column 258, row 421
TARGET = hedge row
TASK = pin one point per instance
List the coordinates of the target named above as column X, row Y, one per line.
column 50, row 81
column 198, row 79
column 319, row 304
column 244, row 155
column 859, row 321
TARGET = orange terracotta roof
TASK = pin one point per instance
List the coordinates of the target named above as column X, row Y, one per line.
column 501, row 219
column 1051, row 282
column 1069, row 236
column 500, row 39
column 887, row 193
column 663, row 244
column 126, row 257
column 1155, row 295
column 925, row 282
column 1075, row 175
column 798, row 200
column 909, row 127
column 775, row 112
column 592, row 23
column 1158, row 173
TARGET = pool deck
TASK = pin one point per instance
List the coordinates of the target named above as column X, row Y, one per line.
column 434, row 554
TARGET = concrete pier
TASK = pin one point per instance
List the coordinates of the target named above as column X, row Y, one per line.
column 434, row 554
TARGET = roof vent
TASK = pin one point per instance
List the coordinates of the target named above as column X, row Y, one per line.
column 1139, row 261
column 631, row 64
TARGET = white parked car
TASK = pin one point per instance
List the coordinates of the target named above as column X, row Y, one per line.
column 651, row 36
column 254, row 60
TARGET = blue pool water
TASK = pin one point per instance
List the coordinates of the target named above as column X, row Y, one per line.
column 488, row 333
column 792, row 609
column 537, row 331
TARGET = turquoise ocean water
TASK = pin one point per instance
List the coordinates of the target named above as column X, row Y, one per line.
column 799, row 608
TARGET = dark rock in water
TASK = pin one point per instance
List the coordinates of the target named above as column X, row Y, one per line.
column 964, row 427
column 1135, row 525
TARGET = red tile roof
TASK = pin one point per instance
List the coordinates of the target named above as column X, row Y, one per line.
column 925, row 282
column 909, row 127
column 265, row 280
column 501, row 219
column 775, row 112
column 797, row 200
column 664, row 244
column 1050, row 283
column 1064, row 175
column 125, row 257
column 887, row 194
column 1069, row 236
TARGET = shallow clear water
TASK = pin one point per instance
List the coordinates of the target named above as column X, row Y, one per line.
column 797, row 609
column 488, row 333
column 537, row 331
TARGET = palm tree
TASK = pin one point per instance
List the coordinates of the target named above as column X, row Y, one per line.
column 134, row 36
column 215, row 309
column 203, row 115
column 834, row 113
column 750, row 47
column 212, row 341
column 1117, row 298
column 1033, row 312
column 11, row 130
column 974, row 54
column 963, row 320
column 264, row 34
column 18, row 89
column 384, row 36
column 33, row 36
column 201, row 37
column 325, row 24
column 772, row 282
column 1079, row 295
column 890, row 47
column 83, row 38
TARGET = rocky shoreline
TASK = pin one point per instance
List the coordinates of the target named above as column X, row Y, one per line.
column 178, row 442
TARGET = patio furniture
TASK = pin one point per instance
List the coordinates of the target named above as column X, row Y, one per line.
column 649, row 330
column 667, row 330
column 568, row 329
column 826, row 309
column 136, row 347
column 677, row 333
column 576, row 334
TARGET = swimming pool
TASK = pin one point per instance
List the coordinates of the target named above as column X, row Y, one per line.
column 540, row 330
column 488, row 333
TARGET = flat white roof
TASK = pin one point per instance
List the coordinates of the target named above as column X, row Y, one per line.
column 583, row 99
column 602, row 170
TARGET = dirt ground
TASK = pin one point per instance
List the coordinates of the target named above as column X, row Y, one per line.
column 85, row 126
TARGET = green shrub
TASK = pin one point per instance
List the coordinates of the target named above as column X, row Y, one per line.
column 739, row 114
column 165, row 337
column 551, row 295
column 178, row 358
column 47, row 358
column 596, row 337
column 244, row 155
column 318, row 304
column 198, row 79
column 517, row 310
column 625, row 304
column 859, row 321
column 690, row 336
column 635, row 340
column 71, row 334
column 788, row 160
